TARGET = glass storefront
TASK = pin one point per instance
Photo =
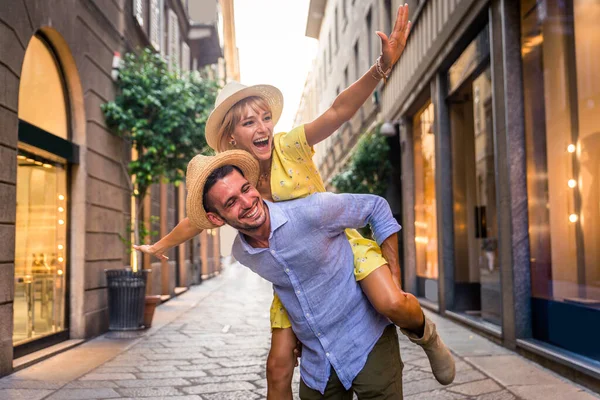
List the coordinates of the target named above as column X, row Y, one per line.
column 477, row 289
column 561, row 66
column 41, row 241
column 425, row 200
column 40, row 251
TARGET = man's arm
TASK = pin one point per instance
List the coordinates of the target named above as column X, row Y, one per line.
column 338, row 212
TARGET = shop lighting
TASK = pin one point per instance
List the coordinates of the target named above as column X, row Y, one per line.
column 572, row 183
column 20, row 157
column 60, row 259
column 571, row 148
column 60, row 272
column 60, row 209
column 30, row 160
column 61, row 197
column 573, row 218
column 47, row 166
column 61, row 222
column 38, row 163
column 60, row 247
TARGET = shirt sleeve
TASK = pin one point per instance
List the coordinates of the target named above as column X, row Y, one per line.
column 340, row 211
column 293, row 145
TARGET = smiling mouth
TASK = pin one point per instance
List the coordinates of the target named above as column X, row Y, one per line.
column 253, row 212
column 261, row 143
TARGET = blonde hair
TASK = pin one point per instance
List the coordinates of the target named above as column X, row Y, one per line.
column 234, row 116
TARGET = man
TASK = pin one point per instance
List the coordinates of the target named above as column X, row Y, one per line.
column 301, row 248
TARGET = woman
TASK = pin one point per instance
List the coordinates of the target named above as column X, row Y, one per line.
column 244, row 118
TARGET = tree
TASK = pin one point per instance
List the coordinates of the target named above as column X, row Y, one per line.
column 369, row 167
column 163, row 115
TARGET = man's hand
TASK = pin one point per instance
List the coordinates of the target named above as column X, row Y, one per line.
column 393, row 46
column 150, row 249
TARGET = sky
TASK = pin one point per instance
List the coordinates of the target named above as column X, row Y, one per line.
column 273, row 49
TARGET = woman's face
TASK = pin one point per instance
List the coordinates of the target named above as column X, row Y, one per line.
column 254, row 133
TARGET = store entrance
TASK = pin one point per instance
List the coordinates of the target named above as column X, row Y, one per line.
column 477, row 276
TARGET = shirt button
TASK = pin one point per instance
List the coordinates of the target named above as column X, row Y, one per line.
column 297, row 292
column 327, row 354
column 318, row 333
column 287, row 270
column 273, row 252
column 307, row 315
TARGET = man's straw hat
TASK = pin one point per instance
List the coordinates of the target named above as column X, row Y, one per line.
column 232, row 93
column 198, row 171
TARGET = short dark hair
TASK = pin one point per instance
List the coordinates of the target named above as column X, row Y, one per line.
column 213, row 178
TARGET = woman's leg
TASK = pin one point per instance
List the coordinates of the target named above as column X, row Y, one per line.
column 402, row 308
column 280, row 364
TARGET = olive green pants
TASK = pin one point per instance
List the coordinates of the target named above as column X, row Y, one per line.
column 381, row 377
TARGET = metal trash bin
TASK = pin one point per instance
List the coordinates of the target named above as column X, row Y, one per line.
column 126, row 294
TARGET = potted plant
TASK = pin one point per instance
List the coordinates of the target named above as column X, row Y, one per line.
column 162, row 113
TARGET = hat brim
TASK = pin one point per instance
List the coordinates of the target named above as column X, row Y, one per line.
column 272, row 96
column 195, row 202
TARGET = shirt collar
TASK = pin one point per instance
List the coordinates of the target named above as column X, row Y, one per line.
column 277, row 218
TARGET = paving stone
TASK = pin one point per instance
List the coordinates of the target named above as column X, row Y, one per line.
column 423, row 385
column 415, row 375
column 196, row 367
column 241, row 395
column 171, row 374
column 552, row 392
column 84, row 394
column 114, row 370
column 502, row 395
column 514, row 370
column 185, row 397
column 90, row 384
column 240, row 370
column 150, row 391
column 434, row 395
column 8, row 383
column 217, row 379
column 134, row 383
column 219, row 387
column 23, row 394
column 160, row 368
column 468, row 376
column 476, row 388
column 247, row 363
column 106, row 377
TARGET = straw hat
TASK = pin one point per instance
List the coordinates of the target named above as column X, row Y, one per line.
column 232, row 93
column 198, row 171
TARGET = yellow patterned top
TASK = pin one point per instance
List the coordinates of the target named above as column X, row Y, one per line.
column 294, row 175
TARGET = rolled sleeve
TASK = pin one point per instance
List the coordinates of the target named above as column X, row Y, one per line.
column 340, row 211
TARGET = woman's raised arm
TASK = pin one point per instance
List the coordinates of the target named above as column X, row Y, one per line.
column 353, row 97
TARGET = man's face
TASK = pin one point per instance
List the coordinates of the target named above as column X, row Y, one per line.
column 237, row 202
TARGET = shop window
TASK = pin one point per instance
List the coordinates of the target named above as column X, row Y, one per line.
column 425, row 199
column 561, row 62
column 42, row 202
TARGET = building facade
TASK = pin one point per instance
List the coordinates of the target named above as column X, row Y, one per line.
column 65, row 193
column 497, row 105
column 496, row 108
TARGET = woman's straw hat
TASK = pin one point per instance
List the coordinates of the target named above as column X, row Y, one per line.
column 198, row 171
column 232, row 93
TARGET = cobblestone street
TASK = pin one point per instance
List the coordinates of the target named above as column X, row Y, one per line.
column 211, row 343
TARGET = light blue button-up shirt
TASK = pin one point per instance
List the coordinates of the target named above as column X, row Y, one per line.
column 311, row 265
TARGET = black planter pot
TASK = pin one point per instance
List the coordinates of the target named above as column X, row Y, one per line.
column 126, row 294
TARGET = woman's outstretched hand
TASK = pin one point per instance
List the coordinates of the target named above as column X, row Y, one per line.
column 149, row 249
column 393, row 46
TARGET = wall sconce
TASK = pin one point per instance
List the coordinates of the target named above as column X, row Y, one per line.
column 116, row 65
column 389, row 129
